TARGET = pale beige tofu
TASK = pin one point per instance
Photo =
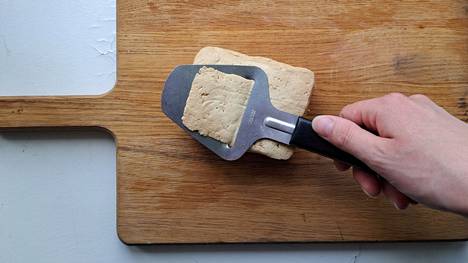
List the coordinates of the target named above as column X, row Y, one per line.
column 290, row 89
column 216, row 104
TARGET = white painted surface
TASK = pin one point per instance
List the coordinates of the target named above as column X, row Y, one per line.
column 57, row 190
column 57, row 47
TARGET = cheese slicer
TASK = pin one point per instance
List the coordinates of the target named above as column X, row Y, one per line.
column 261, row 120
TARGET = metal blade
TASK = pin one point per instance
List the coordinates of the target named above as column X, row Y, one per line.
column 260, row 120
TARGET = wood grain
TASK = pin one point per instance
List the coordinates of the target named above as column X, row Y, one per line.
column 172, row 190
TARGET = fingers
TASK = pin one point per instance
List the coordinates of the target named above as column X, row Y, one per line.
column 384, row 115
column 399, row 200
column 363, row 113
column 348, row 136
column 370, row 185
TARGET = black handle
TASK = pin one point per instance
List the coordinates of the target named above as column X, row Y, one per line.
column 306, row 138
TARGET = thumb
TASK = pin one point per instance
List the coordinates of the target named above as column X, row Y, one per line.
column 348, row 136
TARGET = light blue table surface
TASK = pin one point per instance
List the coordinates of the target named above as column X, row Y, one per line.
column 57, row 189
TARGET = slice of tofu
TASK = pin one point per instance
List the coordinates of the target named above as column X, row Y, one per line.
column 290, row 89
column 216, row 104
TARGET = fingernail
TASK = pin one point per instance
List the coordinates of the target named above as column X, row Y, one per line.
column 368, row 194
column 400, row 208
column 323, row 125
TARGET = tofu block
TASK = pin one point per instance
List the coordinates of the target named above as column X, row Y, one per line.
column 290, row 89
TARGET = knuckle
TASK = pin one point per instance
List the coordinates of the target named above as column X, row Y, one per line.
column 347, row 112
column 380, row 154
column 394, row 97
column 419, row 97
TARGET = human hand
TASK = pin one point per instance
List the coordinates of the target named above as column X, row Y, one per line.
column 421, row 151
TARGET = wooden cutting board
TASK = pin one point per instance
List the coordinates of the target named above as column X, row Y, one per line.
column 172, row 190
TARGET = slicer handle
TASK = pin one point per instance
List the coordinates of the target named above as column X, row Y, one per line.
column 306, row 138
